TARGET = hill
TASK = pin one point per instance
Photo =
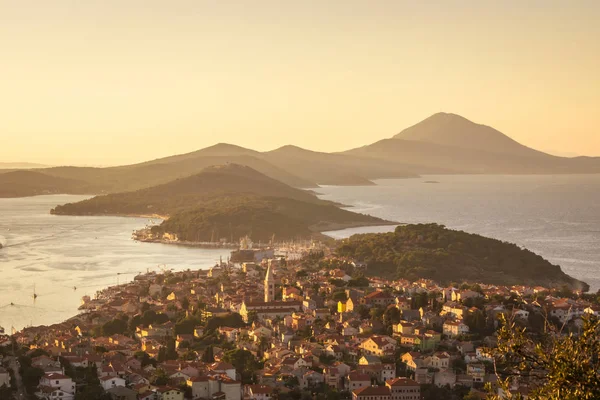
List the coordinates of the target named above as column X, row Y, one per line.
column 261, row 218
column 448, row 143
column 431, row 251
column 183, row 193
column 332, row 169
column 23, row 183
column 231, row 198
column 453, row 130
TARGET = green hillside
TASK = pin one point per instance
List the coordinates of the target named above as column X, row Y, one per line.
column 226, row 201
column 435, row 252
column 260, row 218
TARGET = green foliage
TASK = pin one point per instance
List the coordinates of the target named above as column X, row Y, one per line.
column 559, row 366
column 434, row 252
column 233, row 320
column 224, row 202
column 186, row 326
column 244, row 362
column 115, row 326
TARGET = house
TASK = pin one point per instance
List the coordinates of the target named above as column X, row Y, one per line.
column 413, row 360
column 404, row 389
column 311, row 378
column 378, row 298
column 379, row 346
column 454, row 329
column 476, row 371
column 169, row 393
column 55, row 386
column 109, row 382
column 372, row 393
column 231, row 334
column 403, row 328
column 258, row 392
column 223, row 368
column 122, row 393
column 357, row 380
column 439, row 360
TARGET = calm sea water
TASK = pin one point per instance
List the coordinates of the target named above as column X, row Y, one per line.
column 557, row 217
column 55, row 254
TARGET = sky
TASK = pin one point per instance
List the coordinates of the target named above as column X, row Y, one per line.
column 107, row 82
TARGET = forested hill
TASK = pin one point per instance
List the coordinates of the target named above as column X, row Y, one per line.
column 185, row 193
column 435, row 252
column 227, row 201
column 261, row 218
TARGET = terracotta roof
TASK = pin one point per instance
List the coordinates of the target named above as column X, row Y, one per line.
column 401, row 382
column 373, row 391
column 261, row 389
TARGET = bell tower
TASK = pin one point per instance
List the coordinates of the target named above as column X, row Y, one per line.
column 269, row 286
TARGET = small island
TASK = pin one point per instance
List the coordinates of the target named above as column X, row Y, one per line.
column 225, row 203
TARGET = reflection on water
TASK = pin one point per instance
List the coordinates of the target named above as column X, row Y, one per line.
column 65, row 258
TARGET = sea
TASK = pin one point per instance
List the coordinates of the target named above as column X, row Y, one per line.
column 62, row 258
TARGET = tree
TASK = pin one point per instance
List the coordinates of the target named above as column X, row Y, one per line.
column 558, row 366
column 244, row 362
column 391, row 316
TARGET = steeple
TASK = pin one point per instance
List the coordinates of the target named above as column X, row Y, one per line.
column 269, row 286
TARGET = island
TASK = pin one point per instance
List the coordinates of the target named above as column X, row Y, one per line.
column 225, row 203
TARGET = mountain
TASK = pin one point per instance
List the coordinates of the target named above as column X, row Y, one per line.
column 21, row 165
column 453, row 130
column 334, row 169
column 448, row 143
column 230, row 198
column 21, row 183
column 434, row 252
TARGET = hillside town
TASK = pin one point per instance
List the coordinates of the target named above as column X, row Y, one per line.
column 312, row 327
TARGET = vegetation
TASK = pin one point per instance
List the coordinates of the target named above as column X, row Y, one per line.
column 226, row 202
column 557, row 366
column 432, row 251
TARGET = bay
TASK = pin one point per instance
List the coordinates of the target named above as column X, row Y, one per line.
column 64, row 258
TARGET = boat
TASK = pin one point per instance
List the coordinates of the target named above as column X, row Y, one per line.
column 1, row 330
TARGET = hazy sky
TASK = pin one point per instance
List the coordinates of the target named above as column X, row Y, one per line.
column 117, row 81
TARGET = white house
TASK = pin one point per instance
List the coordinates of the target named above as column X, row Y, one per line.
column 56, row 386
column 109, row 382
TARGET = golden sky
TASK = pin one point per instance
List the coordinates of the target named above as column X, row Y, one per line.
column 119, row 81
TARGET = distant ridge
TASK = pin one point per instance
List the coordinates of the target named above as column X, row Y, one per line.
column 444, row 143
column 21, row 165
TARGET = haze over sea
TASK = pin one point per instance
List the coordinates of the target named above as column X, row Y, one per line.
column 555, row 216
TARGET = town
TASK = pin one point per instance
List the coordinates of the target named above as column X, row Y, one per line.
column 309, row 325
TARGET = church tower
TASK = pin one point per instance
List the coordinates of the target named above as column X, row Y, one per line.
column 269, row 286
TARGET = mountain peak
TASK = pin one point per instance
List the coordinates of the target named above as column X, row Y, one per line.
column 449, row 129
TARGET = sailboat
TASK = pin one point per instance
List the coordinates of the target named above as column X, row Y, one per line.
column 34, row 293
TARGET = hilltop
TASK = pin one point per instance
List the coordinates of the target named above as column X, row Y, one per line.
column 449, row 143
column 432, row 251
column 231, row 200
column 448, row 129
column 441, row 144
